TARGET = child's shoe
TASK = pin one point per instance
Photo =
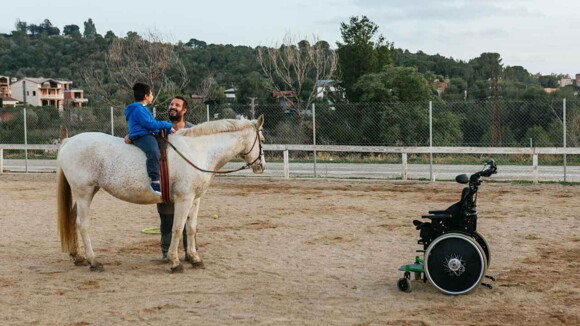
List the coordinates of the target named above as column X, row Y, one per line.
column 156, row 187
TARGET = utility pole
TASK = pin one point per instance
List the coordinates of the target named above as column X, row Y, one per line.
column 24, row 92
column 496, row 138
column 253, row 107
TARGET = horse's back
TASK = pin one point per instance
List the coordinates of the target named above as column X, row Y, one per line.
column 92, row 148
column 95, row 159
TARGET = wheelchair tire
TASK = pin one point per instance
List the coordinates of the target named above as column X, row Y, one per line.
column 455, row 263
column 404, row 285
column 481, row 241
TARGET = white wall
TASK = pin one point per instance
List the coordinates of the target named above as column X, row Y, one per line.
column 31, row 87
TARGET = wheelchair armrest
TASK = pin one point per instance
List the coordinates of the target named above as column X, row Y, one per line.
column 437, row 216
column 436, row 212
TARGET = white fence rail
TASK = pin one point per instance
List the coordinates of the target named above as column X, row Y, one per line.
column 403, row 151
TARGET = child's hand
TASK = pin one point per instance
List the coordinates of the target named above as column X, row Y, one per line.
column 127, row 140
column 172, row 130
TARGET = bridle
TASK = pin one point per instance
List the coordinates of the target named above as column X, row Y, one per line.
column 247, row 166
column 261, row 148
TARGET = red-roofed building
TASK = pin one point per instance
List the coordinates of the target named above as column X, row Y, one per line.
column 441, row 86
column 286, row 99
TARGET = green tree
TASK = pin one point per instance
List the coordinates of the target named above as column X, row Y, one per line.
column 90, row 30
column 49, row 29
column 539, row 137
column 402, row 84
column 21, row 26
column 456, row 89
column 549, row 81
column 362, row 51
column 253, row 86
column 71, row 30
column 518, row 73
column 195, row 43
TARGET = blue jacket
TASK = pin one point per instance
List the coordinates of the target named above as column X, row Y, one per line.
column 141, row 121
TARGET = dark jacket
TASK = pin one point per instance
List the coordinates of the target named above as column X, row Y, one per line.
column 141, row 121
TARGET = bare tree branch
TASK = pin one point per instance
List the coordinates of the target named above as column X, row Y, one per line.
column 289, row 66
column 137, row 59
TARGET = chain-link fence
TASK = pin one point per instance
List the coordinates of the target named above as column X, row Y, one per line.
column 494, row 123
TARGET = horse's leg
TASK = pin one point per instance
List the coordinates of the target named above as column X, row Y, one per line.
column 181, row 209
column 84, row 197
column 77, row 257
column 191, row 226
column 76, row 254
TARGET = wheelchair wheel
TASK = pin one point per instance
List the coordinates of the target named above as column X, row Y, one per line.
column 455, row 263
column 481, row 241
column 404, row 285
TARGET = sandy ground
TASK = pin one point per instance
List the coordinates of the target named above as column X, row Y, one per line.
column 314, row 252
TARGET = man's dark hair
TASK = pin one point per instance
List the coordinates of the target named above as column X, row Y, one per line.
column 185, row 104
column 140, row 90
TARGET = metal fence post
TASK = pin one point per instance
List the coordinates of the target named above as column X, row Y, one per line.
column 405, row 166
column 112, row 123
column 25, row 143
column 154, row 112
column 431, row 141
column 207, row 109
column 535, row 168
column 286, row 165
column 564, row 130
column 314, row 135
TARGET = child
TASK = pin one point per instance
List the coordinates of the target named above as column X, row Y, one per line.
column 143, row 130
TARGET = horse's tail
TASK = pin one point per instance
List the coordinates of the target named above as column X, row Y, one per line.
column 66, row 212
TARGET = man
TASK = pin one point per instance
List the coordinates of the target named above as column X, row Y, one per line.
column 177, row 111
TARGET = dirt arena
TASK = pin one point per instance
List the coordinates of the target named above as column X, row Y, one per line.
column 303, row 251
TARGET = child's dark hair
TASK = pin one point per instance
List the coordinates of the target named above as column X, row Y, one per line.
column 140, row 90
column 185, row 104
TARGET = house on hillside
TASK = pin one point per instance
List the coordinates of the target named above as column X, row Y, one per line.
column 440, row 86
column 47, row 92
column 565, row 81
column 196, row 98
column 286, row 99
column 5, row 86
column 74, row 98
column 230, row 94
column 326, row 88
column 8, row 102
column 6, row 99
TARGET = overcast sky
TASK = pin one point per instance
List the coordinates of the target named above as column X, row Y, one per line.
column 543, row 36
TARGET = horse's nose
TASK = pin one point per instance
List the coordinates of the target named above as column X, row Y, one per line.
column 258, row 168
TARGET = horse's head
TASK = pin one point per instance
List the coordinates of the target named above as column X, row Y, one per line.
column 253, row 154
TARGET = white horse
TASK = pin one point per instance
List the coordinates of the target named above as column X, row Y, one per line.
column 90, row 161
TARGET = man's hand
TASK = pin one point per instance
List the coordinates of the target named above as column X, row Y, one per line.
column 127, row 140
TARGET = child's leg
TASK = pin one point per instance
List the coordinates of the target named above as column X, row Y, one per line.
column 148, row 144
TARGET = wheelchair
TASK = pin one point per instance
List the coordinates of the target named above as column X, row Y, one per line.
column 455, row 256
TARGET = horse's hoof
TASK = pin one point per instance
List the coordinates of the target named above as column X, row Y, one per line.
column 177, row 269
column 80, row 262
column 98, row 267
column 198, row 264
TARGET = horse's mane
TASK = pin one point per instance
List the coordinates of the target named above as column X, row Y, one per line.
column 214, row 127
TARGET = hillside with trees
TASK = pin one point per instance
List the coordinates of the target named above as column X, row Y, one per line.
column 369, row 69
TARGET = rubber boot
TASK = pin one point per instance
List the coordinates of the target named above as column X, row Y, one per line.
column 165, row 228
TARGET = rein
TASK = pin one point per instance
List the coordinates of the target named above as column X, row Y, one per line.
column 248, row 165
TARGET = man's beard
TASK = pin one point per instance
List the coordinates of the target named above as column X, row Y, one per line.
column 175, row 118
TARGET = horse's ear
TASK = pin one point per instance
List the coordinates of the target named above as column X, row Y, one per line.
column 260, row 121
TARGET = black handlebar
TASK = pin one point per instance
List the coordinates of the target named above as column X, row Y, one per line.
column 489, row 168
